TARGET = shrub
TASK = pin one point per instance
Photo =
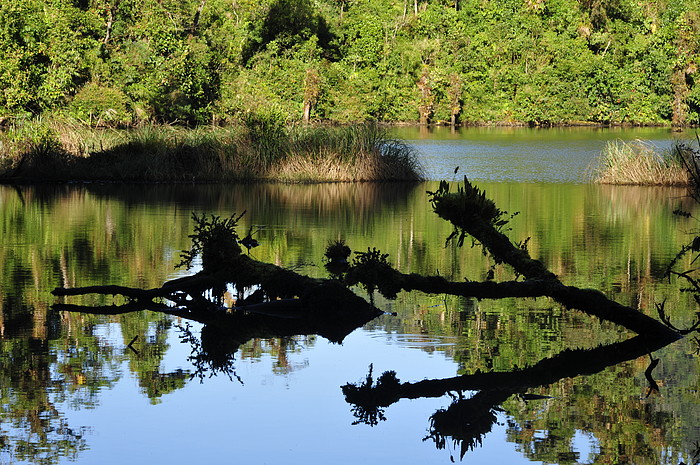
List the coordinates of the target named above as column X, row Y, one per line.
column 100, row 105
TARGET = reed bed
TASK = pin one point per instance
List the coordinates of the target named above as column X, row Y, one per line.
column 352, row 153
column 640, row 163
column 258, row 150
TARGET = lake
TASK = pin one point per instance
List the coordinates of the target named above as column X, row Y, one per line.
column 132, row 388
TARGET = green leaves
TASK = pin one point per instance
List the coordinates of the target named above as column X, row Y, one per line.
column 537, row 62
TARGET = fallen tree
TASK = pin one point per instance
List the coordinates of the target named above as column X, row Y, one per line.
column 272, row 301
column 267, row 289
column 266, row 295
column 284, row 302
column 474, row 215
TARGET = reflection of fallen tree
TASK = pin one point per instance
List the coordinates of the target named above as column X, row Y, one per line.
column 226, row 330
column 326, row 308
column 466, row 421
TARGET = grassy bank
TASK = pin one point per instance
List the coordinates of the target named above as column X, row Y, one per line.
column 640, row 163
column 261, row 149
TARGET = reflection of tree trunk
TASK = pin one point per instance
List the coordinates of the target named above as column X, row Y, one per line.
column 39, row 322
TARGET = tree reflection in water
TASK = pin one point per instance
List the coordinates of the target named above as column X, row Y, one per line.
column 466, row 421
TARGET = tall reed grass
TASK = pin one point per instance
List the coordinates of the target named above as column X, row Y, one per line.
column 640, row 163
column 260, row 149
column 350, row 153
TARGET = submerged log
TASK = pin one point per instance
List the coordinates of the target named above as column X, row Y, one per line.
column 306, row 305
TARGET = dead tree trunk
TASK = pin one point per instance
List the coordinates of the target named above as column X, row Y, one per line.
column 472, row 214
column 312, row 90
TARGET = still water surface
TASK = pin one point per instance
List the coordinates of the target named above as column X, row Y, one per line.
column 73, row 390
column 524, row 154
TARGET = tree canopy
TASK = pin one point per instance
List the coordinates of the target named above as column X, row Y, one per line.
column 468, row 61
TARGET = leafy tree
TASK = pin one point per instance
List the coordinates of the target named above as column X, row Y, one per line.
column 194, row 61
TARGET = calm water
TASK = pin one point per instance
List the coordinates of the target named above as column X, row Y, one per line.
column 73, row 389
column 523, row 155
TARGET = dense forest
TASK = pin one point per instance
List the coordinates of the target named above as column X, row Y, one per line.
column 539, row 62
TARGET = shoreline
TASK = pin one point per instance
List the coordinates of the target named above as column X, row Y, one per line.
column 258, row 151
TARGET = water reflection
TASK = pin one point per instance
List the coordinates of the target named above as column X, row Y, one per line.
column 466, row 421
column 62, row 369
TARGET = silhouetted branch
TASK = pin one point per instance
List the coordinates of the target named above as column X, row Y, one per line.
column 473, row 214
column 660, row 309
column 653, row 387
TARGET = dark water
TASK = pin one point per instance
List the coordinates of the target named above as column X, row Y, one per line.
column 73, row 389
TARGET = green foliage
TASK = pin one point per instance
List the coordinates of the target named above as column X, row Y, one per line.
column 283, row 25
column 192, row 62
column 266, row 129
column 100, row 105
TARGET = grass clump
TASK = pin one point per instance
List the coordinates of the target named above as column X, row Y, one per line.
column 640, row 163
column 263, row 147
column 349, row 153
